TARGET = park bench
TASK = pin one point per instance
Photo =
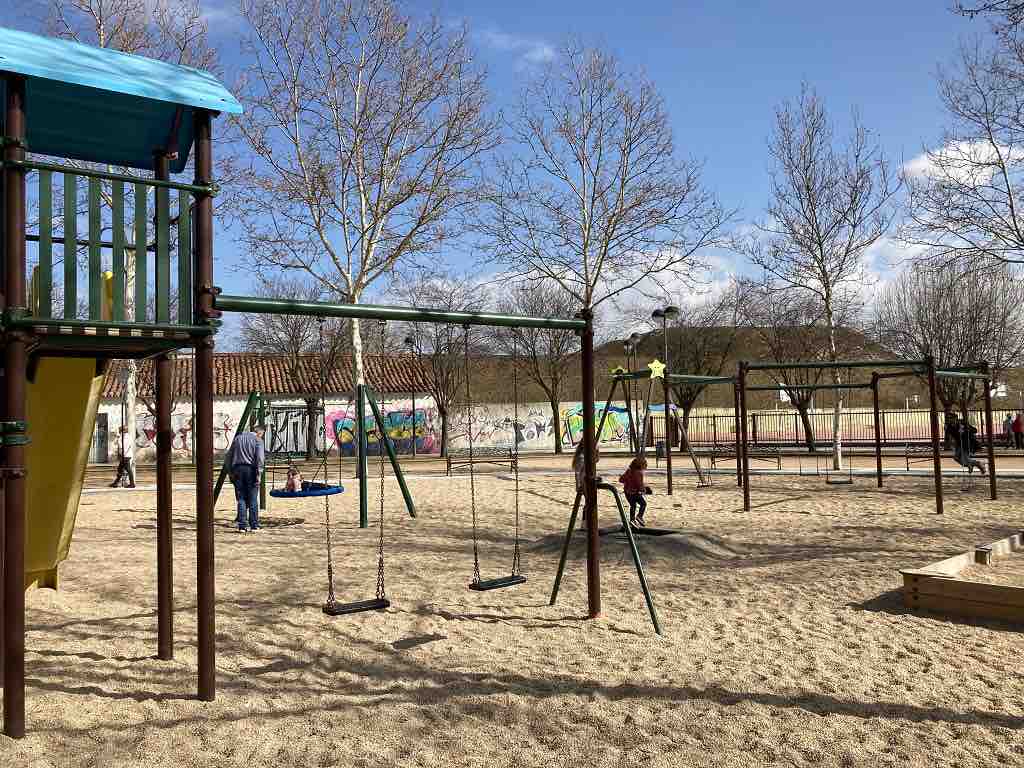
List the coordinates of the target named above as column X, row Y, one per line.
column 765, row 454
column 498, row 455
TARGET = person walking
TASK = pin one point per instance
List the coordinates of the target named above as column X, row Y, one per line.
column 1008, row 431
column 126, row 462
column 245, row 461
column 1018, row 432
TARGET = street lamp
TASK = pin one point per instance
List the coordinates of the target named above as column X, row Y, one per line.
column 664, row 314
column 410, row 342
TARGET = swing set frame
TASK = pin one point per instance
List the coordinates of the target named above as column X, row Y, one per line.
column 890, row 369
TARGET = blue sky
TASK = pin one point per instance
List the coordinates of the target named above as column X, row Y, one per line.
column 721, row 66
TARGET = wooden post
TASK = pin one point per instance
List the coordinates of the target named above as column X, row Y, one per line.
column 878, row 427
column 991, row 438
column 742, row 458
column 205, row 589
column 164, row 381
column 933, row 419
column 590, row 468
column 736, row 426
column 15, row 372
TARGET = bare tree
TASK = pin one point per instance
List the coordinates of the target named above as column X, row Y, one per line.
column 300, row 340
column 831, row 201
column 1009, row 13
column 440, row 347
column 701, row 342
column 592, row 193
column 364, row 127
column 964, row 201
column 543, row 354
column 169, row 30
column 959, row 316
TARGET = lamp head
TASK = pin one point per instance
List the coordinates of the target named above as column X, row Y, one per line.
column 409, row 341
column 657, row 314
column 627, row 345
column 671, row 312
column 635, row 338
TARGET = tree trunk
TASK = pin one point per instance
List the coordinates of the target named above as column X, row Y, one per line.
column 130, row 401
column 684, row 438
column 357, row 354
column 443, row 412
column 805, row 419
column 311, row 427
column 837, row 410
column 556, row 424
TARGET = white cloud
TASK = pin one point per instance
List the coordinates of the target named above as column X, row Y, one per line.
column 528, row 51
column 964, row 161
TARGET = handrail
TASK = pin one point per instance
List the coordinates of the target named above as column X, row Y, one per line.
column 90, row 173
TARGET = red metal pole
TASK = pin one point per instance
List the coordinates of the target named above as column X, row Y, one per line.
column 878, row 428
column 933, row 418
column 590, row 469
column 743, row 436
column 206, row 600
column 15, row 372
column 993, row 494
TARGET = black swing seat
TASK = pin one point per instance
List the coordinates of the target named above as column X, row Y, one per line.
column 844, row 481
column 500, row 583
column 360, row 606
column 638, row 530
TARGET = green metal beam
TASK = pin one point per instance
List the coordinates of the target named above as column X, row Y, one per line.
column 226, row 303
column 385, row 440
column 777, row 387
column 88, row 173
column 837, row 364
column 961, row 375
column 685, row 378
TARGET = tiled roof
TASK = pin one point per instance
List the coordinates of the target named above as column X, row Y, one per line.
column 239, row 373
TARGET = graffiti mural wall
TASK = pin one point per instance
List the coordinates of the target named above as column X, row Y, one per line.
column 492, row 425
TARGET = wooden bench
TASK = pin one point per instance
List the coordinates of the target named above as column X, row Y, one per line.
column 498, row 455
column 765, row 454
column 921, row 454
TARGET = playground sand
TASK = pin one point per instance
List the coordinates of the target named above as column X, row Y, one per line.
column 785, row 638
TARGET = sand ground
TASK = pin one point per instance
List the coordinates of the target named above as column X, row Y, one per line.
column 785, row 643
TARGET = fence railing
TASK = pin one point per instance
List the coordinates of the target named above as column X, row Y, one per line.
column 896, row 427
column 91, row 221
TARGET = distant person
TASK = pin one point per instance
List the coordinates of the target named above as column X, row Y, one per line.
column 1008, row 431
column 126, row 461
column 1018, row 432
column 964, row 446
column 293, row 483
column 245, row 461
column 634, row 487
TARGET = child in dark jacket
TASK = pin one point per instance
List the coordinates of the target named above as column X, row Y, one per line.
column 633, row 485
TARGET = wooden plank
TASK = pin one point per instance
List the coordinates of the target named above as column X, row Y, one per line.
column 960, row 589
column 70, row 245
column 163, row 255
column 140, row 253
column 969, row 608
column 95, row 262
column 184, row 258
column 44, row 282
column 117, row 237
column 1006, row 546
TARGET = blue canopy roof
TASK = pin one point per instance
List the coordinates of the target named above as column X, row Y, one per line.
column 104, row 106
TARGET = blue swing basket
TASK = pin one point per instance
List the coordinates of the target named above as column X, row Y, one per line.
column 308, row 490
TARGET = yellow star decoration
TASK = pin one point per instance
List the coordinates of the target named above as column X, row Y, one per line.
column 657, row 369
column 617, row 370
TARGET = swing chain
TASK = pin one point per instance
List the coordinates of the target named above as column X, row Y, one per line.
column 472, row 474
column 331, row 599
column 380, row 452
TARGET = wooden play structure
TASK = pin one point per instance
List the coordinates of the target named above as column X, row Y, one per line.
column 95, row 110
column 937, row 589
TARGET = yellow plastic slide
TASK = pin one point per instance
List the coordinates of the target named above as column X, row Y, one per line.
column 63, row 398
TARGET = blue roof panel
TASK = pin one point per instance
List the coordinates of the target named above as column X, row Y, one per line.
column 104, row 106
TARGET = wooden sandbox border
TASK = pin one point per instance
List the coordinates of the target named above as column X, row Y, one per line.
column 935, row 587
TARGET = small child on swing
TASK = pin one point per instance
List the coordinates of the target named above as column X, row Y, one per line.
column 293, row 484
column 633, row 485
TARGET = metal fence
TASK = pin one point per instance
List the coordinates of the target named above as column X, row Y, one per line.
column 786, row 428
